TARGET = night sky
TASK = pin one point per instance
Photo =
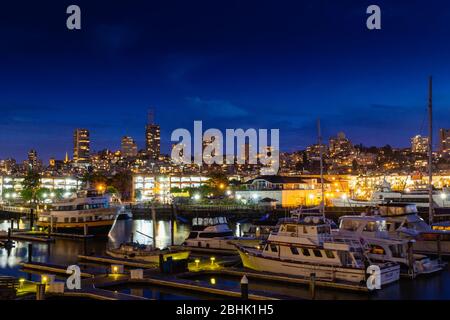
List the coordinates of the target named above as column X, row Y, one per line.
column 233, row 64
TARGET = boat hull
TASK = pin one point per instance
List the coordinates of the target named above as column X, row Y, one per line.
column 150, row 258
column 220, row 244
column 94, row 228
column 324, row 272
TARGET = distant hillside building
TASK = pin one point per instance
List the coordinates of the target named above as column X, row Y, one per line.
column 128, row 147
column 444, row 141
column 419, row 144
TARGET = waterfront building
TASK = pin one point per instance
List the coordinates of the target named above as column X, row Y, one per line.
column 286, row 191
column 444, row 141
column 158, row 187
column 128, row 147
column 81, row 146
column 419, row 144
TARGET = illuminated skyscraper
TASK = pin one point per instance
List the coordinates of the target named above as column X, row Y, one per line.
column 152, row 138
column 32, row 159
column 129, row 147
column 419, row 144
column 81, row 146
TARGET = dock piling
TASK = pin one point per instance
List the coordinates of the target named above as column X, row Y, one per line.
column 31, row 218
column 439, row 250
column 30, row 252
column 40, row 291
column 312, row 286
column 244, row 288
column 411, row 259
column 12, row 224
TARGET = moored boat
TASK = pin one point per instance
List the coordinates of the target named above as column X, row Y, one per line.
column 304, row 247
column 214, row 233
column 90, row 212
column 147, row 253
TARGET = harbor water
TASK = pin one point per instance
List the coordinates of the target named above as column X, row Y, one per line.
column 66, row 251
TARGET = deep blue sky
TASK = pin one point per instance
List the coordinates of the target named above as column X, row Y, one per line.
column 233, row 64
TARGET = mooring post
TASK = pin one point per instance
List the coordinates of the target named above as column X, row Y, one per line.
column 439, row 251
column 30, row 252
column 172, row 225
column 9, row 234
column 40, row 291
column 411, row 259
column 31, row 218
column 312, row 286
column 12, row 224
column 244, row 288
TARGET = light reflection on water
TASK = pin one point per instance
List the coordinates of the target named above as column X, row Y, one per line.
column 65, row 252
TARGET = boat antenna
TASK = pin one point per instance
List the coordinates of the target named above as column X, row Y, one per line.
column 322, row 202
column 430, row 151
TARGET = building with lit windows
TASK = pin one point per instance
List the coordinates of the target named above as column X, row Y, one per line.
column 128, row 147
column 444, row 141
column 81, row 146
column 153, row 187
column 419, row 144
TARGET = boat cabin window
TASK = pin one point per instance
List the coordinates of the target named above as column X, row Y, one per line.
column 266, row 248
column 323, row 229
column 80, row 219
column 317, row 253
column 349, row 225
column 329, row 254
column 376, row 249
column 291, row 228
column 371, row 226
column 274, row 248
column 306, row 252
column 216, row 234
column 294, row 250
column 192, row 235
column 73, row 219
column 66, row 220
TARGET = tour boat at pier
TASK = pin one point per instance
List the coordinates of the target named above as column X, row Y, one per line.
column 214, row 233
column 146, row 253
column 384, row 194
column 90, row 212
column 305, row 246
column 404, row 221
column 372, row 231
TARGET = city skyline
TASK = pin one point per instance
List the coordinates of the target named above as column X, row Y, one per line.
column 269, row 69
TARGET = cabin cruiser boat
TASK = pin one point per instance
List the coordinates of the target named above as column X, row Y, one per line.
column 146, row 253
column 403, row 221
column 372, row 231
column 214, row 233
column 304, row 247
column 89, row 212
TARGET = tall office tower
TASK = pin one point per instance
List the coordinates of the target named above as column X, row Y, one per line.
column 152, row 137
column 81, row 146
column 444, row 141
column 129, row 147
column 419, row 144
column 32, row 159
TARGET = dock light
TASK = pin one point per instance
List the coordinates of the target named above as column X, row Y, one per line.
column 221, row 186
column 44, row 279
column 196, row 196
column 21, row 282
column 197, row 261
column 228, row 192
column 40, row 229
column 443, row 196
column 212, row 260
column 213, row 280
column 115, row 269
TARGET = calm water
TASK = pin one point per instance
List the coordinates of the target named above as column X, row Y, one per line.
column 65, row 252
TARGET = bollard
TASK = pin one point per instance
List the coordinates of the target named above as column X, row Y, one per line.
column 40, row 291
column 439, row 251
column 312, row 286
column 30, row 252
column 244, row 288
column 411, row 259
column 31, row 218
